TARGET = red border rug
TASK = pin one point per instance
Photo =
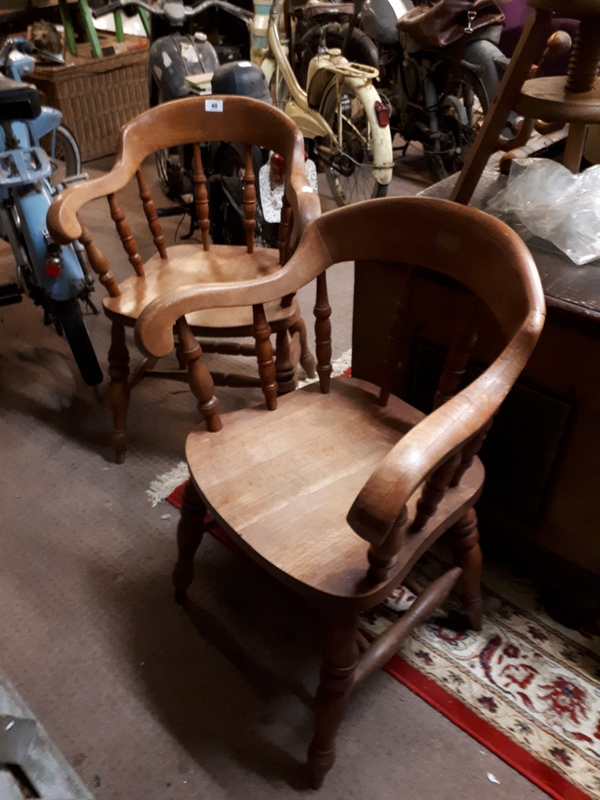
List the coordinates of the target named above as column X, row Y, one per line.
column 525, row 687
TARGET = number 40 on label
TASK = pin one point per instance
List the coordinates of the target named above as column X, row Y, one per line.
column 213, row 105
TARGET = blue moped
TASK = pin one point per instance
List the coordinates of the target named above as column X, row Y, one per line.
column 54, row 277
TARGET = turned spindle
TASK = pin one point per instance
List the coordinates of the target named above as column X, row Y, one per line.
column 322, row 312
column 151, row 215
column 98, row 261
column 201, row 198
column 249, row 199
column 125, row 235
column 264, row 355
column 201, row 382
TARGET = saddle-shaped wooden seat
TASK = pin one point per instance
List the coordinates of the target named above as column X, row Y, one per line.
column 340, row 489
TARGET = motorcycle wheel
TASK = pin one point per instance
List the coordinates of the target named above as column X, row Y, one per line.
column 63, row 150
column 463, row 107
column 68, row 319
column 348, row 166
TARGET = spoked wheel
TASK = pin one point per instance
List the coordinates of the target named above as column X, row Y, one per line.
column 348, row 161
column 68, row 319
column 461, row 114
column 63, row 151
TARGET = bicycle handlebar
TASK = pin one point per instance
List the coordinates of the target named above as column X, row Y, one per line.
column 119, row 5
column 185, row 11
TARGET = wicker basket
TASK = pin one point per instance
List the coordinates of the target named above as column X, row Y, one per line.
column 96, row 95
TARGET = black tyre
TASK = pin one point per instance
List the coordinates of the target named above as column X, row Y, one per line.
column 348, row 163
column 462, row 109
column 69, row 320
column 63, row 150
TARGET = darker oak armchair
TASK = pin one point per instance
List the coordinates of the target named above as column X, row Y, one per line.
column 187, row 126
column 339, row 490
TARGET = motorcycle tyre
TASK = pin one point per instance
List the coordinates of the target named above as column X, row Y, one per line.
column 66, row 143
column 370, row 186
column 65, row 150
column 70, row 318
column 441, row 165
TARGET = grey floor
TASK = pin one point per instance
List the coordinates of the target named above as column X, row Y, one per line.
column 146, row 700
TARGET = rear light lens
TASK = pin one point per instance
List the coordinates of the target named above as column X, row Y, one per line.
column 277, row 171
column 382, row 114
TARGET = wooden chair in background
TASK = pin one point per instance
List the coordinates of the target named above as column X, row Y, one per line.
column 566, row 99
column 187, row 123
column 339, row 490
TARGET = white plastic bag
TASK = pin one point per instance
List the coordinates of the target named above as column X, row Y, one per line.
column 555, row 205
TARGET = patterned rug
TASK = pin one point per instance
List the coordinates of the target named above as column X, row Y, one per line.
column 525, row 686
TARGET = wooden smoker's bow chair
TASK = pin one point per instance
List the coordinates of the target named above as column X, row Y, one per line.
column 173, row 125
column 340, row 490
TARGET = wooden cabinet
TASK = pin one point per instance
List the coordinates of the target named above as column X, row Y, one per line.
column 542, row 456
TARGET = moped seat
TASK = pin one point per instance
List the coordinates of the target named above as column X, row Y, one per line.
column 18, row 100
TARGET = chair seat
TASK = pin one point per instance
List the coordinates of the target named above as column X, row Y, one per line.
column 287, row 509
column 189, row 265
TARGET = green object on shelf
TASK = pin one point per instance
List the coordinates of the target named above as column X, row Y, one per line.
column 90, row 31
column 68, row 26
column 120, row 36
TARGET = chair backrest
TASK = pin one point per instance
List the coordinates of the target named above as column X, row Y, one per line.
column 459, row 242
column 190, row 123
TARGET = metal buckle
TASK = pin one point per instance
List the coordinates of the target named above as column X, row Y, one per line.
column 471, row 18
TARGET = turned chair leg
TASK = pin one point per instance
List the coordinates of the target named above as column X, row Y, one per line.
column 190, row 530
column 285, row 372
column 307, row 360
column 118, row 390
column 337, row 679
column 467, row 554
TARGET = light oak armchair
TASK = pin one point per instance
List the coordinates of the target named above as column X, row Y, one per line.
column 188, row 124
column 339, row 490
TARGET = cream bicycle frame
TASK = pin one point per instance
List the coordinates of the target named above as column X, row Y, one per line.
column 269, row 53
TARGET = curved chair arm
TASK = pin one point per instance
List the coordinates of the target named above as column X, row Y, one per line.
column 63, row 224
column 442, row 433
column 184, row 121
column 154, row 328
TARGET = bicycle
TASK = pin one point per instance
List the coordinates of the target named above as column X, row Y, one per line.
column 54, row 277
column 340, row 112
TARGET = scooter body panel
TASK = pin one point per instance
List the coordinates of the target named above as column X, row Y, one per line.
column 48, row 120
column 31, row 207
